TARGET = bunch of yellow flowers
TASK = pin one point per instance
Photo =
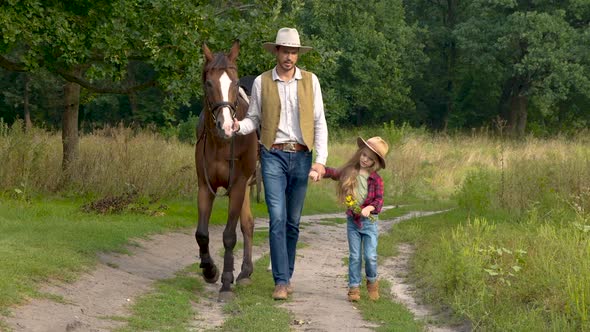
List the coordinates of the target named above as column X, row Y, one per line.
column 352, row 204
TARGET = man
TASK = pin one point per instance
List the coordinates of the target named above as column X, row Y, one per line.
column 287, row 104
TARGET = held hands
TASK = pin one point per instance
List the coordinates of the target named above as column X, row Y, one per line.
column 317, row 172
column 315, row 176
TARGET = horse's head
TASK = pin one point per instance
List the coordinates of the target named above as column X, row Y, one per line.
column 220, row 81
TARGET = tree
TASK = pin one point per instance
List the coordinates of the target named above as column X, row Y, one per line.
column 369, row 55
column 532, row 49
column 437, row 89
column 91, row 44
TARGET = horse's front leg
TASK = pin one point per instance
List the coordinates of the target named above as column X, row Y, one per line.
column 247, row 226
column 236, row 197
column 210, row 271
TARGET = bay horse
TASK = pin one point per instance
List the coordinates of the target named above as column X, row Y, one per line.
column 224, row 160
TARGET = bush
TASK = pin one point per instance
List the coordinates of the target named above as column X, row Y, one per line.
column 187, row 129
column 477, row 191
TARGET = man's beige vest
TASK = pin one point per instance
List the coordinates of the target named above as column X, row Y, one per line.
column 270, row 109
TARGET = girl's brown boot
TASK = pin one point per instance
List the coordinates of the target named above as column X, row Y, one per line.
column 354, row 294
column 373, row 290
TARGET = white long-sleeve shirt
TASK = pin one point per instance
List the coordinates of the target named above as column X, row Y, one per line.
column 289, row 129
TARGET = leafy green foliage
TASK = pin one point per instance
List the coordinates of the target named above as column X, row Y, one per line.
column 533, row 50
column 366, row 49
column 118, row 45
column 503, row 264
column 187, row 130
column 446, row 65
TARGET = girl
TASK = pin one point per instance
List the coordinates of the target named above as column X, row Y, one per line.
column 361, row 188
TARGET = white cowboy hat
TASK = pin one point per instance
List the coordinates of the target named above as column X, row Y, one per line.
column 377, row 145
column 286, row 37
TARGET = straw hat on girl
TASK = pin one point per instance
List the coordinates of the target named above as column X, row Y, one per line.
column 377, row 145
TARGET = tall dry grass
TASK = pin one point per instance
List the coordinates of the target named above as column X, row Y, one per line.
column 115, row 160
column 434, row 167
column 110, row 162
column 419, row 165
column 29, row 161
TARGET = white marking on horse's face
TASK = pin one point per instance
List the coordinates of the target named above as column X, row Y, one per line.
column 224, row 85
column 227, row 122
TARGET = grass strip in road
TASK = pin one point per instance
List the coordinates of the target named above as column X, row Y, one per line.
column 168, row 307
column 390, row 315
column 254, row 309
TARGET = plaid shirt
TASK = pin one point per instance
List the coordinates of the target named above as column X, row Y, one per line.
column 374, row 193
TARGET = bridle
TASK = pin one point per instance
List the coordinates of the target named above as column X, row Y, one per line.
column 213, row 108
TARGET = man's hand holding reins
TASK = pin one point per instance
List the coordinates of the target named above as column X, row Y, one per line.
column 235, row 126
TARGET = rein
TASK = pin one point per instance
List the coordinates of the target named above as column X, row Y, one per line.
column 231, row 158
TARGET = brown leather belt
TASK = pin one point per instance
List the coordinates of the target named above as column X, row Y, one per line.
column 289, row 147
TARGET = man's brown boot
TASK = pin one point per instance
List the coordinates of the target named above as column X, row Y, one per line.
column 373, row 290
column 280, row 292
column 289, row 288
column 354, row 294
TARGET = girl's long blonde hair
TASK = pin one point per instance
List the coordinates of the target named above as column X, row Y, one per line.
column 347, row 185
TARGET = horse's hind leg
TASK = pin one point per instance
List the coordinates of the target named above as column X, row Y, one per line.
column 247, row 227
column 210, row 271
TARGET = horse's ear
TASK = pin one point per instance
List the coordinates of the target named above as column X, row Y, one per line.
column 235, row 50
column 207, row 52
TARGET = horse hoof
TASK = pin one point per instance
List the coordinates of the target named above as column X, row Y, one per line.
column 211, row 277
column 244, row 282
column 226, row 296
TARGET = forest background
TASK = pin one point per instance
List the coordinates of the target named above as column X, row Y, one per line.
column 443, row 65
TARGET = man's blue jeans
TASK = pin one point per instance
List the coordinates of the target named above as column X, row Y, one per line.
column 364, row 239
column 284, row 175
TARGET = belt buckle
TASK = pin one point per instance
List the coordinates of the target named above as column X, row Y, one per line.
column 289, row 147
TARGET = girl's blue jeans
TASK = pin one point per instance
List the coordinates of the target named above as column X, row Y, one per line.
column 362, row 241
column 284, row 175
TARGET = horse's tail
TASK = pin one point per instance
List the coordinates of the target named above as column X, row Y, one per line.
column 256, row 181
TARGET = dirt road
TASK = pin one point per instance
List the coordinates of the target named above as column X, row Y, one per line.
column 318, row 304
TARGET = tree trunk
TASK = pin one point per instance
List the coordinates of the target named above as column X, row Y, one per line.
column 133, row 104
column 521, row 120
column 26, row 104
column 359, row 117
column 451, row 57
column 504, row 107
column 518, row 115
column 69, row 136
column 512, row 116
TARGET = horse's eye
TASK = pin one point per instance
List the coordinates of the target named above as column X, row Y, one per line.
column 209, row 84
